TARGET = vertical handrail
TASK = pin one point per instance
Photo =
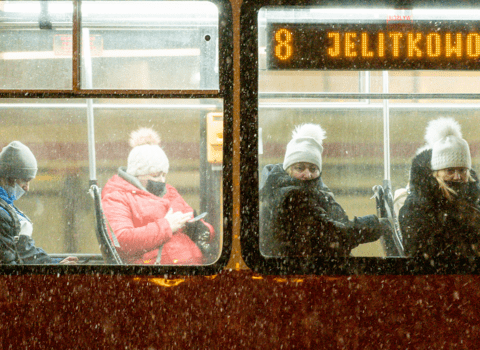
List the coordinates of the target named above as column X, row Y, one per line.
column 364, row 83
column 387, row 184
column 386, row 130
column 87, row 63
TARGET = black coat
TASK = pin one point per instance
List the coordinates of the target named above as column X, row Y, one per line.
column 15, row 248
column 301, row 218
column 433, row 226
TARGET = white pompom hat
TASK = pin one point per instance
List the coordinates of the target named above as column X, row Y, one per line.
column 449, row 149
column 146, row 156
column 305, row 146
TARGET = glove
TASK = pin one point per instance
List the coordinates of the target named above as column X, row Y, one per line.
column 200, row 235
column 208, row 248
column 371, row 228
column 190, row 230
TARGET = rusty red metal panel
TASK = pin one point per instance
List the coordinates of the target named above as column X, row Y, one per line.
column 240, row 310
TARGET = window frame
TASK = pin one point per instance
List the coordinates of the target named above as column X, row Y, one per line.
column 225, row 92
column 249, row 194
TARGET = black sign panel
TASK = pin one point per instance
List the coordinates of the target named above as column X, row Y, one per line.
column 388, row 46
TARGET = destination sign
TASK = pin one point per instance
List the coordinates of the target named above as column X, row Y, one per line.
column 417, row 45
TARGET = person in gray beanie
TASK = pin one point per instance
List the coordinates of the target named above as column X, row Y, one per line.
column 299, row 216
column 18, row 167
column 441, row 215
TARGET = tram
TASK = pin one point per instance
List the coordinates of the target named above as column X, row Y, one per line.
column 224, row 83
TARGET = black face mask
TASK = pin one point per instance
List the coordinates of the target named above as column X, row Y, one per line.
column 156, row 187
column 461, row 188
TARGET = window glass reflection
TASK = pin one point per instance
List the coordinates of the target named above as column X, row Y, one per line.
column 365, row 160
column 158, row 171
column 35, row 45
column 58, row 202
column 138, row 44
column 350, row 164
column 349, row 79
column 353, row 157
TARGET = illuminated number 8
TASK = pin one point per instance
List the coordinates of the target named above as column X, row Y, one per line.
column 283, row 50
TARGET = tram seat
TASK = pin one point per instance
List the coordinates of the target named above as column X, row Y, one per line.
column 393, row 244
column 108, row 250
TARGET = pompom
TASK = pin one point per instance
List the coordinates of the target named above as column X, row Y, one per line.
column 310, row 130
column 440, row 128
column 144, row 136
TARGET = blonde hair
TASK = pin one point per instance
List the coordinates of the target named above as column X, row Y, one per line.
column 447, row 191
column 289, row 170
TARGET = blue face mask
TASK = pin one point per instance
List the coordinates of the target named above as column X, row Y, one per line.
column 16, row 192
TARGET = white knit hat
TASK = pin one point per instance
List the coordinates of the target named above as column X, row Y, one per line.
column 146, row 156
column 305, row 146
column 449, row 149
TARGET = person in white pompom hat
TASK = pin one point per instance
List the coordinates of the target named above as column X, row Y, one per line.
column 148, row 217
column 298, row 214
column 303, row 157
column 146, row 156
column 440, row 217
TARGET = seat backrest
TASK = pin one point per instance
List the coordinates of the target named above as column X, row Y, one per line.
column 108, row 250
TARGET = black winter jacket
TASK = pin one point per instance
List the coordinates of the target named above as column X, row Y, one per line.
column 301, row 218
column 433, row 226
column 15, row 248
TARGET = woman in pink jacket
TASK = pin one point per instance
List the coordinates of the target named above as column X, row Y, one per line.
column 148, row 217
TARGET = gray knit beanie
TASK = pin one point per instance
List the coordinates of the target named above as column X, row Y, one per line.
column 449, row 149
column 17, row 162
column 305, row 146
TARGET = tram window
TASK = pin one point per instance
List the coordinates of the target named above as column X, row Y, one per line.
column 36, row 48
column 56, row 132
column 153, row 69
column 373, row 79
column 137, row 44
column 182, row 127
column 352, row 161
column 132, row 45
column 56, row 202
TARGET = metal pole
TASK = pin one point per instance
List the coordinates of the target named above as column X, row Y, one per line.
column 87, row 63
column 386, row 131
column 387, row 185
column 364, row 82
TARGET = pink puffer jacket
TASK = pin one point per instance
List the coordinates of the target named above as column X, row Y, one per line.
column 137, row 218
